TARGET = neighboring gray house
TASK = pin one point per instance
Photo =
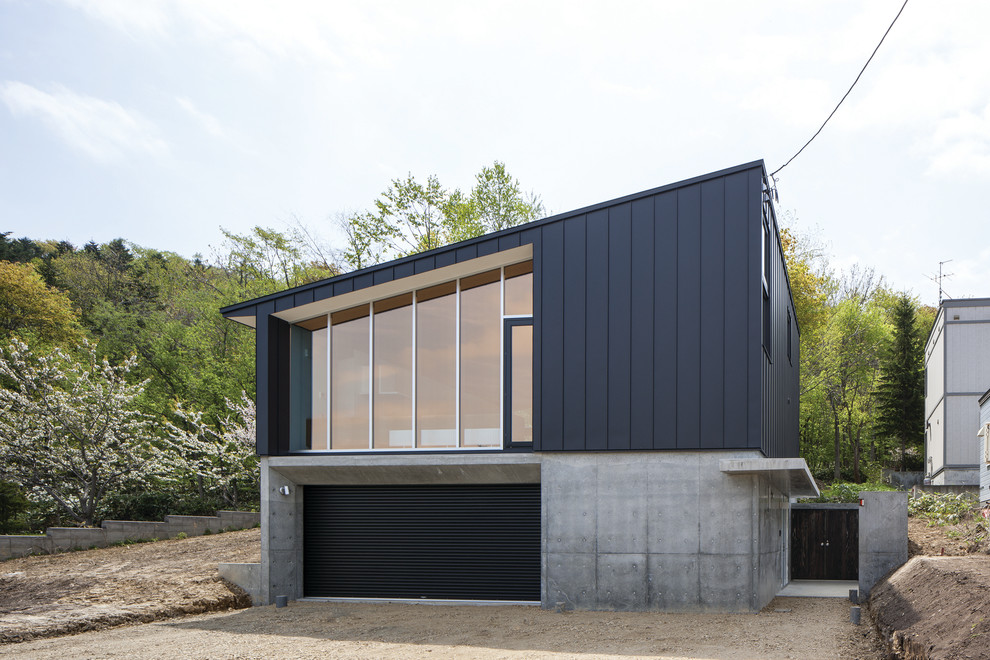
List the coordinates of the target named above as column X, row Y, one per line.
column 598, row 409
column 957, row 361
column 984, row 435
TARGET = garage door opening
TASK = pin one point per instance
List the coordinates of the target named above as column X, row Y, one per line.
column 424, row 542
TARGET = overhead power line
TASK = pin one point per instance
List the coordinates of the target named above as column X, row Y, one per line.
column 844, row 95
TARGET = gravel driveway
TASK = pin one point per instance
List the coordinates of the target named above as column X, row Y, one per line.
column 788, row 628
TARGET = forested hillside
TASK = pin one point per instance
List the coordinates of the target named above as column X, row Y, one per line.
column 125, row 394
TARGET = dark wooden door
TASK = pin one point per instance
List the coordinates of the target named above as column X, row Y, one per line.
column 824, row 544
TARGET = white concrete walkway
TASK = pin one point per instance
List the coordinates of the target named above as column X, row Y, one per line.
column 819, row 588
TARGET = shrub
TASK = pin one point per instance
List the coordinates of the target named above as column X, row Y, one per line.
column 181, row 535
column 847, row 492
column 941, row 509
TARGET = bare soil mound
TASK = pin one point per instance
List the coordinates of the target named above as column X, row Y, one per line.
column 936, row 608
column 67, row 593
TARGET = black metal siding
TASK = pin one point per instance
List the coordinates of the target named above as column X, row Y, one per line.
column 461, row 542
column 647, row 322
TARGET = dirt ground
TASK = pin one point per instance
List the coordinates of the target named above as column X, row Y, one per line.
column 788, row 628
column 936, row 608
column 66, row 593
column 967, row 538
column 173, row 583
column 101, row 591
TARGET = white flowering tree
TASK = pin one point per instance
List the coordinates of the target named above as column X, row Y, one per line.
column 69, row 430
column 222, row 455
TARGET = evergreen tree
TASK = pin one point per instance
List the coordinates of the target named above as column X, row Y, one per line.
column 901, row 393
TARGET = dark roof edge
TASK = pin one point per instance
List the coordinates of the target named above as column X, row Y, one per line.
column 966, row 302
column 229, row 309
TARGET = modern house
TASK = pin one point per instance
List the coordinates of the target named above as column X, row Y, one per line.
column 984, row 436
column 957, row 360
column 596, row 410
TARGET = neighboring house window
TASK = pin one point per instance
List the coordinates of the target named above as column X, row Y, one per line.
column 422, row 370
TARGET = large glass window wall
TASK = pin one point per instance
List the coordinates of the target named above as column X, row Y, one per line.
column 424, row 370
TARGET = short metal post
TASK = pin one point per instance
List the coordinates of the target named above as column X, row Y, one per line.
column 854, row 614
column 281, row 601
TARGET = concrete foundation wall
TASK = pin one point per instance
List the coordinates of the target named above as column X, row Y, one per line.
column 659, row 531
column 61, row 539
column 245, row 576
column 883, row 536
column 620, row 530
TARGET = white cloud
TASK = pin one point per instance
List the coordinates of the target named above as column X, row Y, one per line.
column 126, row 15
column 960, row 145
column 104, row 130
column 209, row 123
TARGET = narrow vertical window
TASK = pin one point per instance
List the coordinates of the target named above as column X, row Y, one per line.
column 436, row 366
column 789, row 335
column 519, row 392
column 393, row 385
column 481, row 364
column 319, row 438
column 300, row 388
column 767, row 346
column 350, row 378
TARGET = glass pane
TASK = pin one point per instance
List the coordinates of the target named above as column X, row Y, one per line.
column 522, row 383
column 320, row 440
column 436, row 372
column 349, row 384
column 300, row 387
column 393, row 422
column 519, row 295
column 480, row 366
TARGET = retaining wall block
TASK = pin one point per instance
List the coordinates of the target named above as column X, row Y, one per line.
column 134, row 530
column 70, row 538
column 239, row 519
column 20, row 546
column 192, row 525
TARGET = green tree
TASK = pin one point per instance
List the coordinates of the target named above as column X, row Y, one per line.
column 412, row 216
column 901, row 392
column 32, row 310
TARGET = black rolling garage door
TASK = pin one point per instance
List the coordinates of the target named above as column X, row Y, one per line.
column 466, row 542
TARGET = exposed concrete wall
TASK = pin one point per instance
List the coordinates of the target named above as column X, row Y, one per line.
column 883, row 536
column 60, row 539
column 281, row 536
column 245, row 576
column 659, row 531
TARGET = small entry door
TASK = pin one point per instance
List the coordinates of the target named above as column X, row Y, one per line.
column 824, row 544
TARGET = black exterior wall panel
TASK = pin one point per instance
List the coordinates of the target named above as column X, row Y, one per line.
column 596, row 338
column 754, row 348
column 688, row 314
column 552, row 335
column 712, row 335
column 641, row 321
column 665, row 267
column 572, row 380
column 738, row 296
column 647, row 323
column 619, row 317
column 262, row 359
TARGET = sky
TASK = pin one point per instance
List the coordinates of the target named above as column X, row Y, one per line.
column 162, row 121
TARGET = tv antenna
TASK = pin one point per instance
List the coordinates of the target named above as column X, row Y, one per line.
column 938, row 280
